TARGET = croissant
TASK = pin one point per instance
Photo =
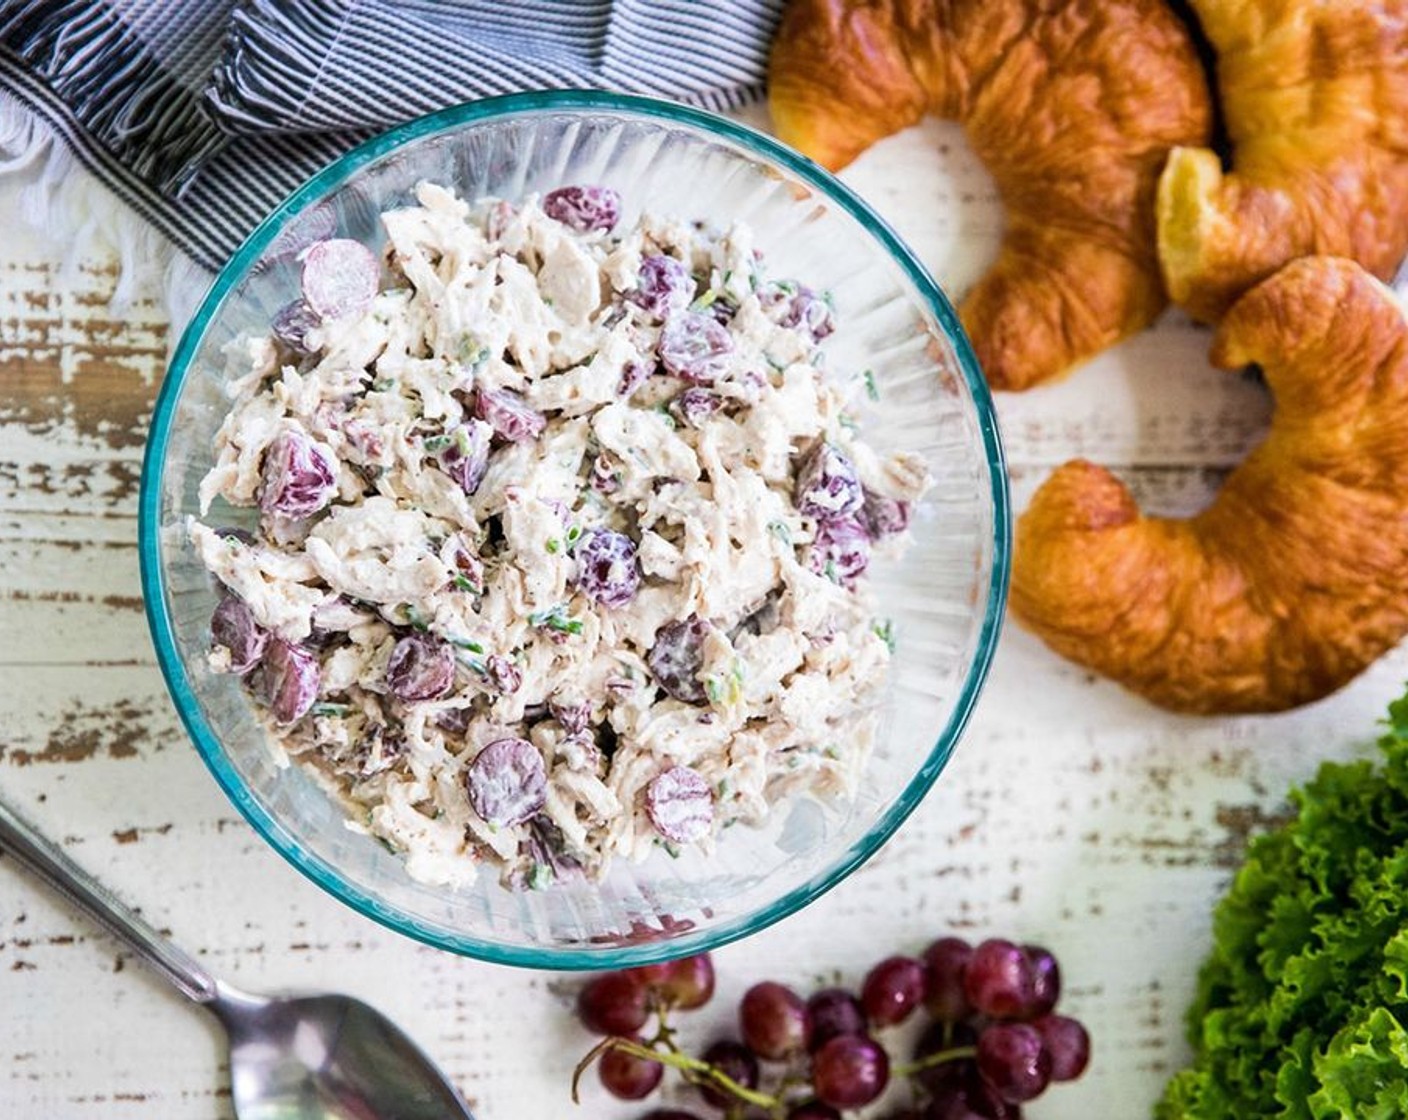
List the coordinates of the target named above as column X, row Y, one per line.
column 1296, row 578
column 1315, row 100
column 1072, row 105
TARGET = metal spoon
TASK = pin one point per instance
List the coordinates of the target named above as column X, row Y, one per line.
column 316, row 1057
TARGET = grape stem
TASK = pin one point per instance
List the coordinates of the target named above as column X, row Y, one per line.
column 938, row 1058
column 694, row 1069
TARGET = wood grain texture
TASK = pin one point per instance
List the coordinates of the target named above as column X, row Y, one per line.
column 1072, row 814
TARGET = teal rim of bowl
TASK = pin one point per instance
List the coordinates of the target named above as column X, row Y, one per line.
column 178, row 682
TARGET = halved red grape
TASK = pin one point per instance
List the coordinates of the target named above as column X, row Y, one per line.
column 883, row 516
column 633, row 376
column 340, row 277
column 465, row 457
column 297, row 478
column 292, row 322
column 289, row 680
column 850, row 1071
column 1068, row 1043
column 420, row 668
column 834, row 1011
column 664, row 285
column 810, row 313
column 503, row 675
column 695, row 405
column 892, row 990
column 827, row 485
column 1013, row 1059
column 998, row 980
column 509, row 415
column 774, row 1021
column 695, row 347
column 613, row 1003
column 680, row 805
column 1046, row 979
column 946, row 961
column 677, row 656
column 607, row 568
column 584, row 208
column 840, row 550
column 735, row 1061
column 232, row 625
column 628, row 1076
column 507, row 782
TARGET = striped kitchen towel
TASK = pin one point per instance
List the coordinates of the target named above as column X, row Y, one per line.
column 203, row 114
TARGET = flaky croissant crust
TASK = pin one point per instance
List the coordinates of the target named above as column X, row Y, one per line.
column 1072, row 105
column 1296, row 578
column 1315, row 97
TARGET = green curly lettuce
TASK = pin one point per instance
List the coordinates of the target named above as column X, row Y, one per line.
column 1302, row 1008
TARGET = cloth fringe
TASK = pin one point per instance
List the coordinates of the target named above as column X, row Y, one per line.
column 116, row 87
column 69, row 205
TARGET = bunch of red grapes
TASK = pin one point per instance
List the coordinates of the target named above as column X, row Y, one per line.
column 993, row 1041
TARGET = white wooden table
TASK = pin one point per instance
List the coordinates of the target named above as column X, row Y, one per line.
column 1073, row 814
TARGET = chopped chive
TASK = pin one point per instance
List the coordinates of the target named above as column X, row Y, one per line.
column 435, row 444
column 885, row 631
column 554, row 545
column 466, row 643
column 464, row 583
column 871, row 389
column 331, row 709
column 780, row 530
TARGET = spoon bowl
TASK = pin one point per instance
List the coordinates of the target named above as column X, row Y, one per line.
column 294, row 1057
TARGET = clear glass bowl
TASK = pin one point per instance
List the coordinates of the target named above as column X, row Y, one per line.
column 946, row 596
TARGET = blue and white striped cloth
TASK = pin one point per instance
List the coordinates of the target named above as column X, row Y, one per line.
column 203, row 114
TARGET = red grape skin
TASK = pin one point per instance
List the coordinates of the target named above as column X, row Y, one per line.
column 970, row 1098
column 850, row 1071
column 945, row 962
column 1046, row 979
column 774, row 1021
column 627, row 1076
column 833, row 1011
column 689, row 982
column 892, row 990
column 1068, row 1043
column 1014, row 1061
column 735, row 1061
column 613, row 1003
column 998, row 980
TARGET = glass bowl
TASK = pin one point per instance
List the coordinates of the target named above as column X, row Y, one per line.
column 945, row 596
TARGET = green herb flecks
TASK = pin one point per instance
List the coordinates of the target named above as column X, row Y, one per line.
column 871, row 389
column 555, row 618
column 331, row 710
column 885, row 631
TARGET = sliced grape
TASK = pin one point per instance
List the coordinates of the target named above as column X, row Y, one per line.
column 503, row 675
column 774, row 1021
column 840, row 550
column 850, row 1071
column 883, row 516
column 664, row 285
column 507, row 782
column 695, row 405
column 892, row 990
column 695, row 346
column 1068, row 1043
column 340, row 277
column 509, row 415
column 677, row 656
column 297, row 478
column 613, row 1003
column 810, row 313
column 233, row 626
column 584, row 208
column 465, row 457
column 290, row 678
column 734, row 1061
column 607, row 567
column 633, row 376
column 573, row 717
column 834, row 1011
column 1013, row 1059
column 420, row 668
column 462, row 559
column 946, row 961
column 827, row 484
column 680, row 805
column 292, row 323
column 627, row 1076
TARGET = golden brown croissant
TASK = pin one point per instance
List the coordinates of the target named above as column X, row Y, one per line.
column 1315, row 98
column 1072, row 105
column 1296, row 578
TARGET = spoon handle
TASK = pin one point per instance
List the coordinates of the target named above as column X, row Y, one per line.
column 31, row 850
